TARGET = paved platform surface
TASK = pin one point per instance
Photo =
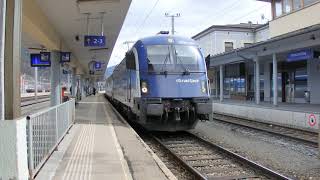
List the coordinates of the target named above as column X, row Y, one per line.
column 296, row 107
column 103, row 147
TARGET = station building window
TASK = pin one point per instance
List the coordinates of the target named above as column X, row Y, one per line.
column 282, row 7
column 228, row 46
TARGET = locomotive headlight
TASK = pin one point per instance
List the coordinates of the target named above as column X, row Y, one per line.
column 144, row 87
column 203, row 87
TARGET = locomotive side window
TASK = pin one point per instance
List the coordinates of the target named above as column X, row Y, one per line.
column 130, row 61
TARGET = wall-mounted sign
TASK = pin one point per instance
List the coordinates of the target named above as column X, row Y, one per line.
column 65, row 57
column 45, row 56
column 300, row 55
column 95, row 41
column 36, row 61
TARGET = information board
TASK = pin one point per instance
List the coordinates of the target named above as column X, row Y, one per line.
column 35, row 60
column 94, row 41
column 65, row 57
column 300, row 55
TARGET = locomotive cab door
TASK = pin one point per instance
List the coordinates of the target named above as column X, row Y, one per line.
column 131, row 66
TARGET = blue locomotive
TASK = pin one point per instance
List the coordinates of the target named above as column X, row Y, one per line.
column 162, row 84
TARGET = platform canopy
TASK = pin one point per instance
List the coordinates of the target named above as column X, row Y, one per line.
column 69, row 18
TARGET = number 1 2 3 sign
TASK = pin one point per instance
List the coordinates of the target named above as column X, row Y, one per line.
column 97, row 41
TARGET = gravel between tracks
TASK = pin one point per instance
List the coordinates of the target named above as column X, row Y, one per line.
column 287, row 157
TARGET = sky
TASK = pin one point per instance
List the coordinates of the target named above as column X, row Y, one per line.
column 147, row 17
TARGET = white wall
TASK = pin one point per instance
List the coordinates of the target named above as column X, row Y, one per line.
column 13, row 150
column 262, row 34
column 266, row 114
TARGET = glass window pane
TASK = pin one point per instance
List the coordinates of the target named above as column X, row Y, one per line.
column 228, row 46
column 278, row 8
column 308, row 2
column 297, row 4
column 287, row 6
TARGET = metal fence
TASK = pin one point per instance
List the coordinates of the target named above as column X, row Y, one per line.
column 45, row 130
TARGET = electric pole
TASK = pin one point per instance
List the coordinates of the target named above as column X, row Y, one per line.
column 128, row 44
column 172, row 20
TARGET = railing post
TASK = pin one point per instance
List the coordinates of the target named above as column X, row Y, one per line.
column 57, row 127
column 30, row 146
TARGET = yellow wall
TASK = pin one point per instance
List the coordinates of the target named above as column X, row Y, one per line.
column 37, row 26
column 294, row 21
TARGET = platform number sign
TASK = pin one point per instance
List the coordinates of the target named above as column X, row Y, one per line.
column 97, row 65
column 94, row 41
column 312, row 120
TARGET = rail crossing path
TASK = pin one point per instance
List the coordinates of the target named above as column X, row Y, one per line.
column 99, row 146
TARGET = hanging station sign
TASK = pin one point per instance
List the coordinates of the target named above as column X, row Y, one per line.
column 97, row 65
column 94, row 41
column 65, row 57
column 304, row 54
column 36, row 61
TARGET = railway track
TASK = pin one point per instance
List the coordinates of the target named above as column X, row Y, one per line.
column 306, row 137
column 209, row 161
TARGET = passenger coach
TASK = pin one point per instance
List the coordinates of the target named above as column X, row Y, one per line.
column 162, row 84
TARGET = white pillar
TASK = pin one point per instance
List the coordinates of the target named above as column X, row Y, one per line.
column 55, row 79
column 12, row 53
column 257, row 80
column 267, row 71
column 221, row 83
column 275, row 79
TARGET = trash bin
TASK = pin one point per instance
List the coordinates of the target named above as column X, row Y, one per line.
column 307, row 96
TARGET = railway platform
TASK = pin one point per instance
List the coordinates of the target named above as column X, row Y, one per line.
column 100, row 146
column 301, row 116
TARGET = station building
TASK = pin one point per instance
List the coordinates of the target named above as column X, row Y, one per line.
column 282, row 56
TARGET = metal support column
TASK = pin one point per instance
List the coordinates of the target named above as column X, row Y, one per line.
column 257, row 79
column 221, row 83
column 275, row 79
column 74, row 82
column 55, row 79
column 12, row 53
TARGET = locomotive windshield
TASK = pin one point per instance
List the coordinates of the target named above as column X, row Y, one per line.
column 174, row 58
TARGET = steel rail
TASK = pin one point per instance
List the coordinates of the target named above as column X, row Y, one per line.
column 242, row 160
column 236, row 157
column 269, row 130
column 191, row 169
column 37, row 102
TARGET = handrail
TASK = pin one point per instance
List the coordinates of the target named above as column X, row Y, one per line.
column 45, row 130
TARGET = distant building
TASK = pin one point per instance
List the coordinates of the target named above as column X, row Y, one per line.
column 283, row 56
column 221, row 38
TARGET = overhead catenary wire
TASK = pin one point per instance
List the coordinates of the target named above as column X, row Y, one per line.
column 148, row 15
column 247, row 14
